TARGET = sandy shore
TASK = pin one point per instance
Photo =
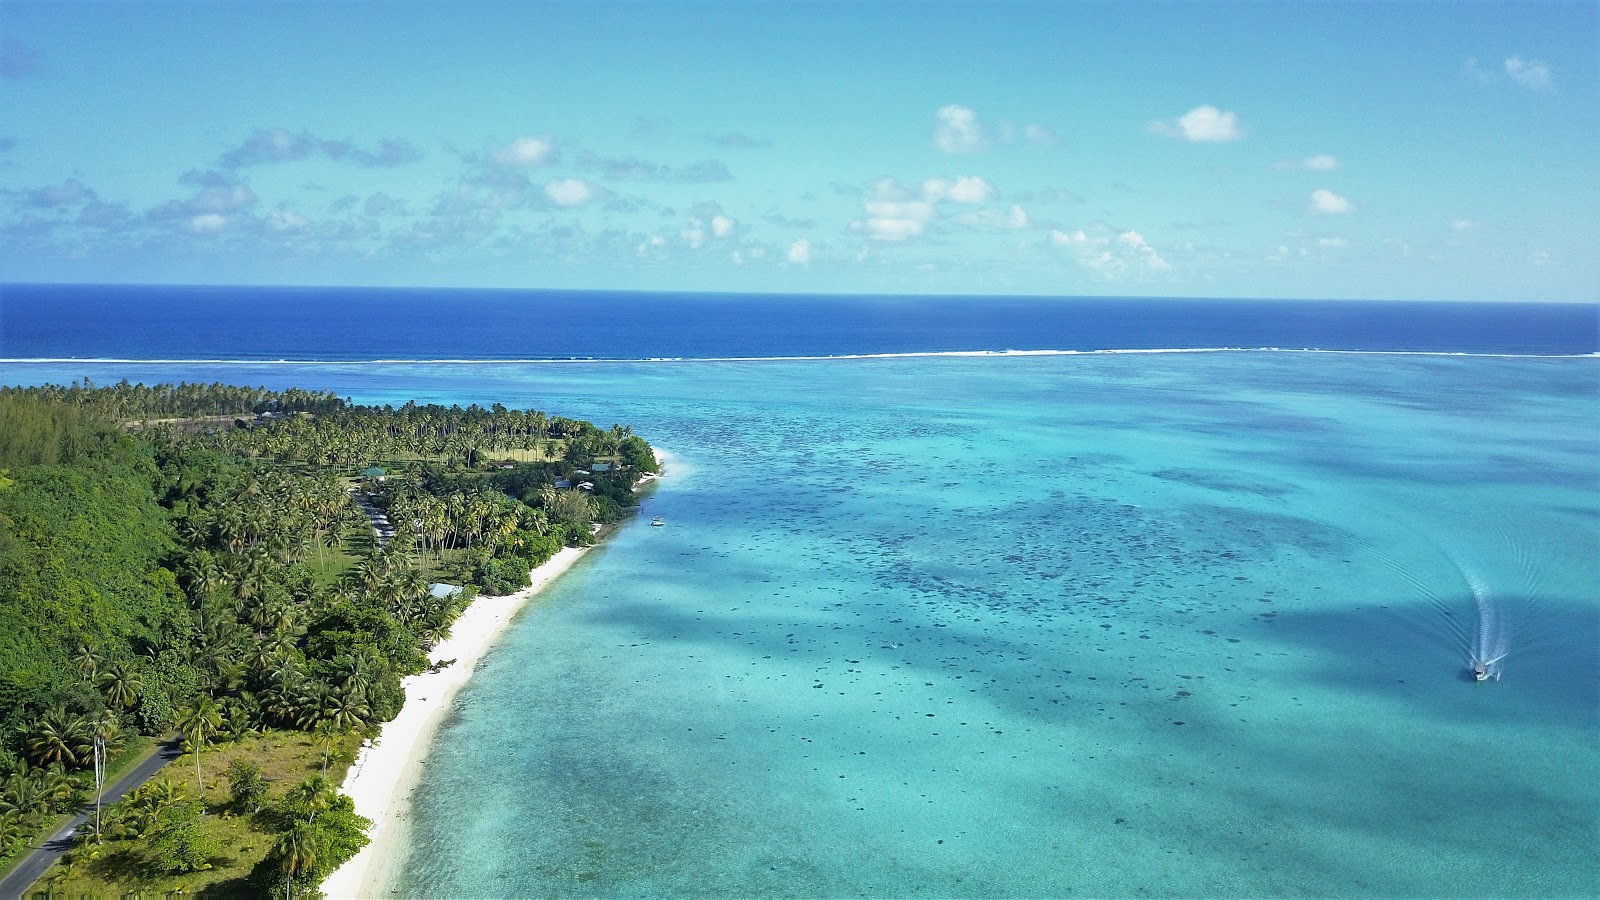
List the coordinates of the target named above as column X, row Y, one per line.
column 386, row 769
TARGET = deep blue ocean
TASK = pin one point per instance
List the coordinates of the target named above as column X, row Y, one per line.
column 255, row 323
column 1186, row 624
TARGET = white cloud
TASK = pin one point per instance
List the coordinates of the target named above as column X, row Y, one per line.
column 525, row 152
column 957, row 130
column 286, row 220
column 1532, row 74
column 1463, row 224
column 1542, row 258
column 1326, row 203
column 964, row 189
column 1141, row 250
column 207, row 223
column 1321, row 162
column 1332, row 242
column 1204, row 124
column 1110, row 256
column 721, row 226
column 1017, row 218
column 896, row 220
column 800, row 252
column 568, row 191
column 693, row 234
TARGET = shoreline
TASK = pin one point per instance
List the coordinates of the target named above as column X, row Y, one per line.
column 387, row 768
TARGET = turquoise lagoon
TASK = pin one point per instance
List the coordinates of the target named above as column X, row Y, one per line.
column 1181, row 624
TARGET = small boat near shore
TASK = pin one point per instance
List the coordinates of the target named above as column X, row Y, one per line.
column 657, row 522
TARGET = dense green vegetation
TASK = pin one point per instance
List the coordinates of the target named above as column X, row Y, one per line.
column 202, row 559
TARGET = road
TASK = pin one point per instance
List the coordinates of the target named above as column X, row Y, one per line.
column 34, row 865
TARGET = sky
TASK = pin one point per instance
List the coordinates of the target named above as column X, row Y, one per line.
column 1299, row 150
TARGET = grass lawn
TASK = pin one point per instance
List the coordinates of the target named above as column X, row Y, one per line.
column 118, row 868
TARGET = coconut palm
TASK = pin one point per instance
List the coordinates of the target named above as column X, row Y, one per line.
column 198, row 722
column 88, row 661
column 317, row 793
column 121, row 685
column 297, row 854
column 55, row 738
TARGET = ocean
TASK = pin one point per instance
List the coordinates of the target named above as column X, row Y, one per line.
column 1079, row 624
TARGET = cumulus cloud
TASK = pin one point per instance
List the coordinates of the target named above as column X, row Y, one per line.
column 799, row 252
column 896, row 220
column 961, row 189
column 721, row 226
column 1326, row 203
column 285, row 219
column 69, row 193
column 1110, row 255
column 207, row 223
column 896, row 211
column 568, row 192
column 1204, row 124
column 1463, row 224
column 525, row 152
column 218, row 200
column 276, row 145
column 1532, row 74
column 957, row 130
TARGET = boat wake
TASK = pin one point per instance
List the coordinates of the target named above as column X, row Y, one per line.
column 1484, row 637
column 1489, row 643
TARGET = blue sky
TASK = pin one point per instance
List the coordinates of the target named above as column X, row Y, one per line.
column 1427, row 151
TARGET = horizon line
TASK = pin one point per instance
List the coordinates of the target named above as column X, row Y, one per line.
column 766, row 294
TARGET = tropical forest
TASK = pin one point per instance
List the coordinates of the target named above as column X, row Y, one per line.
column 244, row 576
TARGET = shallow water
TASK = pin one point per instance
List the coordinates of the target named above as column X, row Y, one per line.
column 1059, row 626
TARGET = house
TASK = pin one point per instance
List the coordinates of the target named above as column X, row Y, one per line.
column 373, row 472
column 600, row 467
column 440, row 590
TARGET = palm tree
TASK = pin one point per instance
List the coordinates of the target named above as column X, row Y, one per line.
column 55, row 738
column 297, row 854
column 121, row 685
column 317, row 793
column 10, row 829
column 104, row 730
column 198, row 721
column 327, row 729
column 88, row 661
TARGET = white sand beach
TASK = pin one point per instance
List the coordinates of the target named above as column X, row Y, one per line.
column 386, row 769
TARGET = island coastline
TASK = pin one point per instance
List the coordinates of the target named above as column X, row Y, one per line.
column 387, row 768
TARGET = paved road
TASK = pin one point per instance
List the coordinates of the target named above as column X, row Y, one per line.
column 380, row 522
column 32, row 867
